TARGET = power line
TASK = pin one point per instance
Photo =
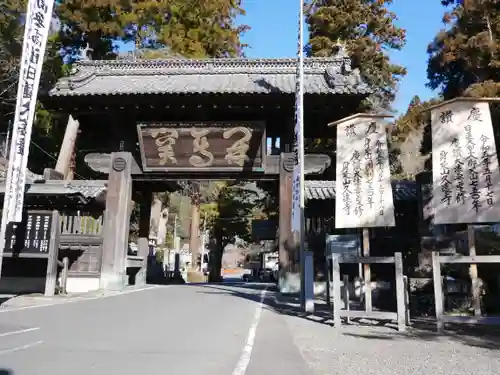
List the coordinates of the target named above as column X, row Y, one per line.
column 53, row 158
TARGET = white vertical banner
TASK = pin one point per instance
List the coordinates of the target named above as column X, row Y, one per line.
column 363, row 191
column 298, row 134
column 37, row 26
column 466, row 180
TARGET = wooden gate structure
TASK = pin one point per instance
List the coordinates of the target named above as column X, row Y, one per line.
column 161, row 121
column 61, row 221
column 64, row 224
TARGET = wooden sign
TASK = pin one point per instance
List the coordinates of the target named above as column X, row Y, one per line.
column 32, row 236
column 264, row 230
column 466, row 179
column 363, row 184
column 210, row 147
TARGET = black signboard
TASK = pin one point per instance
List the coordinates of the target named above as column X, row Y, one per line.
column 264, row 230
column 32, row 236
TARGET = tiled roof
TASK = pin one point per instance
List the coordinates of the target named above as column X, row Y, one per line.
column 84, row 189
column 332, row 75
column 4, row 165
column 322, row 190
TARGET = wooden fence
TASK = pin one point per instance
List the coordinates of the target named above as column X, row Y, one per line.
column 401, row 316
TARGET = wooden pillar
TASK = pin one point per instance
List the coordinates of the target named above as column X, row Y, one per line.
column 117, row 222
column 67, row 150
column 438, row 291
column 143, row 240
column 289, row 276
column 194, row 236
column 476, row 288
column 337, row 297
column 400, row 292
column 367, row 270
column 55, row 233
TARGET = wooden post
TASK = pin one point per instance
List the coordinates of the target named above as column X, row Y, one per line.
column 117, row 222
column 400, row 292
column 67, row 147
column 346, row 295
column 287, row 252
column 143, row 240
column 438, row 291
column 337, row 299
column 327, row 274
column 194, row 236
column 308, row 282
column 55, row 233
column 476, row 289
column 64, row 275
column 407, row 300
column 367, row 270
column 52, row 174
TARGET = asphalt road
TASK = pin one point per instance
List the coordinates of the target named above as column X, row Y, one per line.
column 184, row 330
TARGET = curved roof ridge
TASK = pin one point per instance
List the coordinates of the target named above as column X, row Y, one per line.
column 323, row 75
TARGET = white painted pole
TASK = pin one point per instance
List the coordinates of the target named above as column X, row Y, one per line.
column 36, row 31
column 298, row 204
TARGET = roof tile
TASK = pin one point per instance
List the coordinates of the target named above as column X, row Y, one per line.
column 332, row 75
column 325, row 190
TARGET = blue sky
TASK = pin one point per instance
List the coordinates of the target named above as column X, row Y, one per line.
column 274, row 25
column 274, row 28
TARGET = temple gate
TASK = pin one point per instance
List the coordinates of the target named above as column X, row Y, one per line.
column 159, row 122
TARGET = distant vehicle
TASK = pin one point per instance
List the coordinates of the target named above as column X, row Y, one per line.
column 247, row 274
column 266, row 275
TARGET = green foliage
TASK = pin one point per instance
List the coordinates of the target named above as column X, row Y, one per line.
column 190, row 28
column 11, row 40
column 169, row 240
column 228, row 218
column 464, row 58
column 408, row 147
column 93, row 24
column 11, row 34
column 367, row 29
column 230, row 215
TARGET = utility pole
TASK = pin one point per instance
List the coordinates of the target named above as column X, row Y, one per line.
column 298, row 203
column 203, row 240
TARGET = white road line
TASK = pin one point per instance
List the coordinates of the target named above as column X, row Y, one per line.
column 20, row 331
column 79, row 299
column 27, row 346
column 241, row 366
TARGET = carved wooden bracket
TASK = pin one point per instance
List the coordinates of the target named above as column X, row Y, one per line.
column 314, row 163
column 102, row 163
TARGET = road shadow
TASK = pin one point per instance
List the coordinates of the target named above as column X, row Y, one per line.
column 486, row 337
column 272, row 301
column 4, row 298
column 4, row 371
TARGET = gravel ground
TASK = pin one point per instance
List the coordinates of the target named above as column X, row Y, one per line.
column 364, row 350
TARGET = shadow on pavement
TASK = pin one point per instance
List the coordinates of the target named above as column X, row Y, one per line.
column 7, row 297
column 4, row 371
column 273, row 301
column 487, row 337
